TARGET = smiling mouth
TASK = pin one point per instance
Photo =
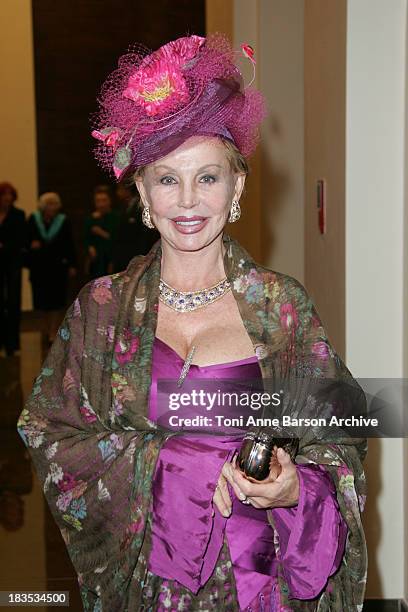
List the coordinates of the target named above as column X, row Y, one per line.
column 190, row 223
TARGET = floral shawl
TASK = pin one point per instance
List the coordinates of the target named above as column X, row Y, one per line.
column 94, row 450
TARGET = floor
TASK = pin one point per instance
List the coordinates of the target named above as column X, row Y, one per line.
column 32, row 552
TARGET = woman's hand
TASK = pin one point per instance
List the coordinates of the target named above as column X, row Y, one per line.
column 221, row 496
column 98, row 231
column 281, row 492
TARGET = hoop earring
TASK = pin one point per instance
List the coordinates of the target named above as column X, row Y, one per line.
column 235, row 212
column 146, row 218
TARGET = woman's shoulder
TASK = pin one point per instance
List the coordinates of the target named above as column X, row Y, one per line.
column 105, row 289
column 254, row 273
column 279, row 294
column 18, row 212
column 100, row 294
column 247, row 272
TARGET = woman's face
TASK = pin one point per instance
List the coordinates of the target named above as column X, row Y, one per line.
column 190, row 192
column 51, row 209
column 102, row 203
column 7, row 198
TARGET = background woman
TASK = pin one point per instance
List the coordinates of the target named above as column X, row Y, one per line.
column 100, row 231
column 52, row 260
column 12, row 243
column 158, row 519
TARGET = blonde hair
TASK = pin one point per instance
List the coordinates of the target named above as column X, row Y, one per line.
column 237, row 161
column 48, row 198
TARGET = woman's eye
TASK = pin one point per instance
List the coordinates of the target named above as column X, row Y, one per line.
column 208, row 178
column 167, row 180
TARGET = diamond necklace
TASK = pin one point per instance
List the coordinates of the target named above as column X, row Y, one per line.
column 186, row 301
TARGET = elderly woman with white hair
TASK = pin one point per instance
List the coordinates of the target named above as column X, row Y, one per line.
column 52, row 259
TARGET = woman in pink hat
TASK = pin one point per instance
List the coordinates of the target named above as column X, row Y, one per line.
column 156, row 516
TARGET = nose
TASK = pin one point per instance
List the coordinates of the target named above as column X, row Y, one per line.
column 188, row 196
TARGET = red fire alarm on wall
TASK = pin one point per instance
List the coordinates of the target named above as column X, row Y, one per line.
column 321, row 205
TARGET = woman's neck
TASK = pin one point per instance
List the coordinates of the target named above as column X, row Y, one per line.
column 193, row 270
column 48, row 218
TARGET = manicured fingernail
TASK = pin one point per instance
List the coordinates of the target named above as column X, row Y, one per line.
column 242, row 496
column 227, row 513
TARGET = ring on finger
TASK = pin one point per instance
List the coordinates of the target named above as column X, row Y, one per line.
column 246, row 501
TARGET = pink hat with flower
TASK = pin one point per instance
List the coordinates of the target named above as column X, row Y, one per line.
column 154, row 101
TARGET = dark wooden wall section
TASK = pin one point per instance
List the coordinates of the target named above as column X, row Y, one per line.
column 76, row 44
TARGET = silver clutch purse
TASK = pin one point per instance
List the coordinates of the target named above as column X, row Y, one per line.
column 257, row 457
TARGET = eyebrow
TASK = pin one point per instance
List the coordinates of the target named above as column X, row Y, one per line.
column 163, row 166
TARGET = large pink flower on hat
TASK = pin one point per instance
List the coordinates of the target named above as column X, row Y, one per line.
column 158, row 85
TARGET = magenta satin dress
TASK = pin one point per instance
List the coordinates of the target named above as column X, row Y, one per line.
column 187, row 539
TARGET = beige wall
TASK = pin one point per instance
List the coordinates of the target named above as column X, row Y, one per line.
column 238, row 20
column 18, row 161
column 375, row 169
column 325, row 120
column 405, row 311
column 219, row 15
column 282, row 180
column 250, row 231
column 271, row 227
